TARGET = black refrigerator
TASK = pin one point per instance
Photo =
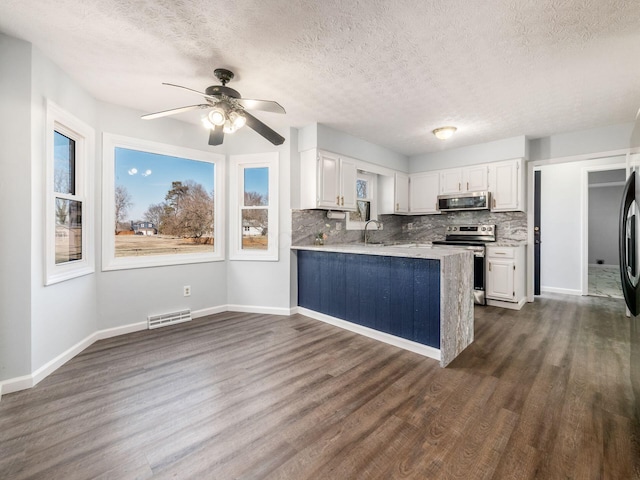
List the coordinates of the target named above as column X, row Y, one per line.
column 629, row 245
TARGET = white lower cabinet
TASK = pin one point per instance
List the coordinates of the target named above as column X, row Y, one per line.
column 505, row 276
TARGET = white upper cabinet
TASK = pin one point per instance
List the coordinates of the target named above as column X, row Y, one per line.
column 506, row 184
column 465, row 179
column 328, row 181
column 401, row 181
column 451, row 180
column 423, row 192
column 475, row 178
column 347, row 180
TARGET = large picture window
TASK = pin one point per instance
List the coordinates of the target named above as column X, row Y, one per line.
column 161, row 204
column 254, row 207
column 69, row 226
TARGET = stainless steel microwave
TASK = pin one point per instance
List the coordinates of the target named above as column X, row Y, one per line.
column 464, row 201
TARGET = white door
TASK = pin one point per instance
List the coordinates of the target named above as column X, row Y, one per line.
column 423, row 192
column 500, row 279
column 401, row 193
column 348, row 176
column 328, row 171
column 451, row 181
column 475, row 178
column 504, row 186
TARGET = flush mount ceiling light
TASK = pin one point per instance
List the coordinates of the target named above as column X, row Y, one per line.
column 444, row 132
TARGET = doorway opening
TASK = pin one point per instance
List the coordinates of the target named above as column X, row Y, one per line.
column 605, row 189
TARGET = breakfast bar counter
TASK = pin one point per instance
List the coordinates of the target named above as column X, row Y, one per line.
column 412, row 296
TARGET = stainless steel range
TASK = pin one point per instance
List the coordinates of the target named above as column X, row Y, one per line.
column 474, row 238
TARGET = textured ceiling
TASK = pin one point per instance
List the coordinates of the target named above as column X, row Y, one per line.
column 388, row 72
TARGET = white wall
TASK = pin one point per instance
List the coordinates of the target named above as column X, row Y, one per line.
column 62, row 314
column 129, row 296
column 326, row 138
column 15, row 196
column 264, row 284
column 604, row 208
column 561, row 224
column 505, row 149
column 602, row 139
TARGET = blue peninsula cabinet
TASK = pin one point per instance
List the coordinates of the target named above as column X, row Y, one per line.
column 395, row 295
column 398, row 294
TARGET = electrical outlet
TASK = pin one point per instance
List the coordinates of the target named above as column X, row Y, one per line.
column 409, row 226
column 186, row 290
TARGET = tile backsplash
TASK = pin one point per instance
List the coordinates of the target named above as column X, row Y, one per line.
column 306, row 224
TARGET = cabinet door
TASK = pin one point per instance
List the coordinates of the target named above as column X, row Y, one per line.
column 504, row 184
column 328, row 172
column 451, row 181
column 500, row 279
column 348, row 176
column 423, row 192
column 402, row 193
column 475, row 178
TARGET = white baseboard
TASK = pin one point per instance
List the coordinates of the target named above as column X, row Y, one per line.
column 415, row 347
column 509, row 305
column 114, row 332
column 564, row 291
column 208, row 311
column 28, row 381
column 256, row 309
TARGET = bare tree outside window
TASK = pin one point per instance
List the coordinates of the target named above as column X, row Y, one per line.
column 122, row 204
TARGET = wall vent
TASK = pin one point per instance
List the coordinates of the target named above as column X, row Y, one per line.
column 172, row 318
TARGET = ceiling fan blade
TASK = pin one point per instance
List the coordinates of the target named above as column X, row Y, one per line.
column 212, row 97
column 271, row 135
column 216, row 137
column 264, row 105
column 173, row 111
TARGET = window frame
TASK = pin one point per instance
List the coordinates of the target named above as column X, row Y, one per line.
column 238, row 163
column 63, row 122
column 372, row 198
column 109, row 261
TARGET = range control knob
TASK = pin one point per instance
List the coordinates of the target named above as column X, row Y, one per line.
column 448, row 229
column 490, row 228
column 483, row 228
column 455, row 228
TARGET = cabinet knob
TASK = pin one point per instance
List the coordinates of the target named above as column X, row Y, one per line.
column 459, row 186
column 494, row 202
column 397, row 207
column 467, row 186
column 342, row 201
column 338, row 200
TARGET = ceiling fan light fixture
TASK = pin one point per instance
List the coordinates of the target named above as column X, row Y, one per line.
column 237, row 119
column 229, row 127
column 217, row 116
column 206, row 123
column 443, row 133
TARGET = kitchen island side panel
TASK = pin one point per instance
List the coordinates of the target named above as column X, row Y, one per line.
column 399, row 296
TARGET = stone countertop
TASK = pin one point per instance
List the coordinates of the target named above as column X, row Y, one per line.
column 407, row 250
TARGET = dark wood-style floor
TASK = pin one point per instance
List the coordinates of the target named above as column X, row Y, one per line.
column 543, row 393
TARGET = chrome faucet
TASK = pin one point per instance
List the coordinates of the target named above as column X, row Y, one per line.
column 366, row 239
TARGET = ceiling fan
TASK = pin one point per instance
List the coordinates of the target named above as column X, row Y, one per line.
column 227, row 110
